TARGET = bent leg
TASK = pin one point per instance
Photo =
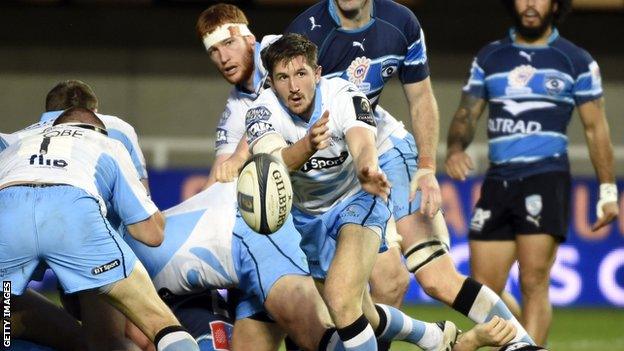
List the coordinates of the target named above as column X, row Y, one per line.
column 296, row 305
column 251, row 334
column 389, row 279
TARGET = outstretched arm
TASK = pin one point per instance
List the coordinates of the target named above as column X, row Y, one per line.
column 460, row 135
column 361, row 143
column 601, row 153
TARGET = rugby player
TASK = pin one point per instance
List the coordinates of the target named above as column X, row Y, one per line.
column 63, row 178
column 531, row 81
column 367, row 42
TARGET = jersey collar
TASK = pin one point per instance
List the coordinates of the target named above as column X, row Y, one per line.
column 333, row 12
column 51, row 115
column 553, row 36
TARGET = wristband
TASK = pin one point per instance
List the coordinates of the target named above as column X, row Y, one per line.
column 608, row 193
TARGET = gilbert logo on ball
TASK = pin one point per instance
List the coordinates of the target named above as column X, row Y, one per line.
column 264, row 193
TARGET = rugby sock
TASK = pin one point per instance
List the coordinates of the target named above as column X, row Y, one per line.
column 331, row 341
column 396, row 325
column 175, row 338
column 479, row 303
column 358, row 336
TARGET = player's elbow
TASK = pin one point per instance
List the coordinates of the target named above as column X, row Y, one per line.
column 150, row 231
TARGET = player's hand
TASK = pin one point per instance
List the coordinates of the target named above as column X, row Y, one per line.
column 228, row 170
column 496, row 332
column 318, row 135
column 610, row 211
column 458, row 164
column 374, row 182
column 426, row 182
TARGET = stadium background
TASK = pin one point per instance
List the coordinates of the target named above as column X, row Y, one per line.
column 146, row 65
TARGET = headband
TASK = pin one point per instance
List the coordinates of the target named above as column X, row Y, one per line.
column 223, row 32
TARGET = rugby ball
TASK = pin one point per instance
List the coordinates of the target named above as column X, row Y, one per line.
column 264, row 193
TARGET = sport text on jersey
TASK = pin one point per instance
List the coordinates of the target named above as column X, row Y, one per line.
column 316, row 163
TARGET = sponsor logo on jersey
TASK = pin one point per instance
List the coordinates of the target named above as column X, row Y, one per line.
column 106, row 267
column 526, row 55
column 595, row 74
column 313, row 23
column 357, row 71
column 512, row 126
column 554, row 84
column 359, row 44
column 259, row 113
column 258, row 129
column 516, row 108
column 221, row 137
column 388, row 68
column 518, row 79
column 363, row 111
column 316, row 163
column 40, row 160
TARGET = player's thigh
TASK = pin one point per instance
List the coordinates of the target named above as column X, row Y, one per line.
column 490, row 262
column 389, row 278
column 296, row 305
column 536, row 255
column 104, row 325
column 251, row 334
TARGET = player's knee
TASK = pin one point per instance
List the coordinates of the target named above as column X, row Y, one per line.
column 534, row 280
column 391, row 289
column 343, row 304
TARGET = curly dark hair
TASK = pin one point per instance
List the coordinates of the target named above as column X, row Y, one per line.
column 565, row 6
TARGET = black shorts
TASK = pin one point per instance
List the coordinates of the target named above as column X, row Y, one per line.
column 538, row 204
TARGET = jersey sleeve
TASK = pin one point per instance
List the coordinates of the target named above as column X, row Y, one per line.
column 415, row 67
column 354, row 110
column 259, row 122
column 230, row 130
column 129, row 198
column 476, row 80
column 588, row 83
column 126, row 134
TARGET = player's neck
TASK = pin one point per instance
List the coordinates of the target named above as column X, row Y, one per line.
column 356, row 19
column 541, row 40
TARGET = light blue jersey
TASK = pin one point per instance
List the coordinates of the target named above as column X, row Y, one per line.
column 56, row 186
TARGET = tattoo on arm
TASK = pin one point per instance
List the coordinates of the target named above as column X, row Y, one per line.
column 463, row 126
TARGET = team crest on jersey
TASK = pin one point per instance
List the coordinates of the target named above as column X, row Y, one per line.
column 388, row 68
column 221, row 335
column 554, row 84
column 357, row 71
column 518, row 79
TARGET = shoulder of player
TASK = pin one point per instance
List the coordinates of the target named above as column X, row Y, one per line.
column 487, row 52
column 320, row 13
column 114, row 122
column 398, row 15
column 576, row 54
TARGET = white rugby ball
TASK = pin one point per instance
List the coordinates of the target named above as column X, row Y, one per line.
column 264, row 193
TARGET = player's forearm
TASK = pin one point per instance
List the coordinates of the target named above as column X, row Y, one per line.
column 426, row 125
column 296, row 155
column 463, row 126
column 601, row 151
column 366, row 157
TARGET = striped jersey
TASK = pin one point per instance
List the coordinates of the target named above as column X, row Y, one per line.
column 391, row 44
column 531, row 93
column 86, row 159
column 115, row 126
column 329, row 175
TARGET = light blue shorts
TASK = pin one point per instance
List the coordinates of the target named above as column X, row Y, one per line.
column 62, row 226
column 399, row 165
column 262, row 261
column 319, row 233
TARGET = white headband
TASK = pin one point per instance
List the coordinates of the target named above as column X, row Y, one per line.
column 225, row 31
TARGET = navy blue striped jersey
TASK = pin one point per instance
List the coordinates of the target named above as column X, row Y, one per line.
column 392, row 43
column 531, row 93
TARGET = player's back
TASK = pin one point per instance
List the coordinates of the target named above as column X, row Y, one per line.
column 66, row 154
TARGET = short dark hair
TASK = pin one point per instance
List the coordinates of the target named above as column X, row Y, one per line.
column 287, row 48
column 71, row 93
column 79, row 115
column 563, row 9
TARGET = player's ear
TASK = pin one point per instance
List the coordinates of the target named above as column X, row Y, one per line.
column 317, row 73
